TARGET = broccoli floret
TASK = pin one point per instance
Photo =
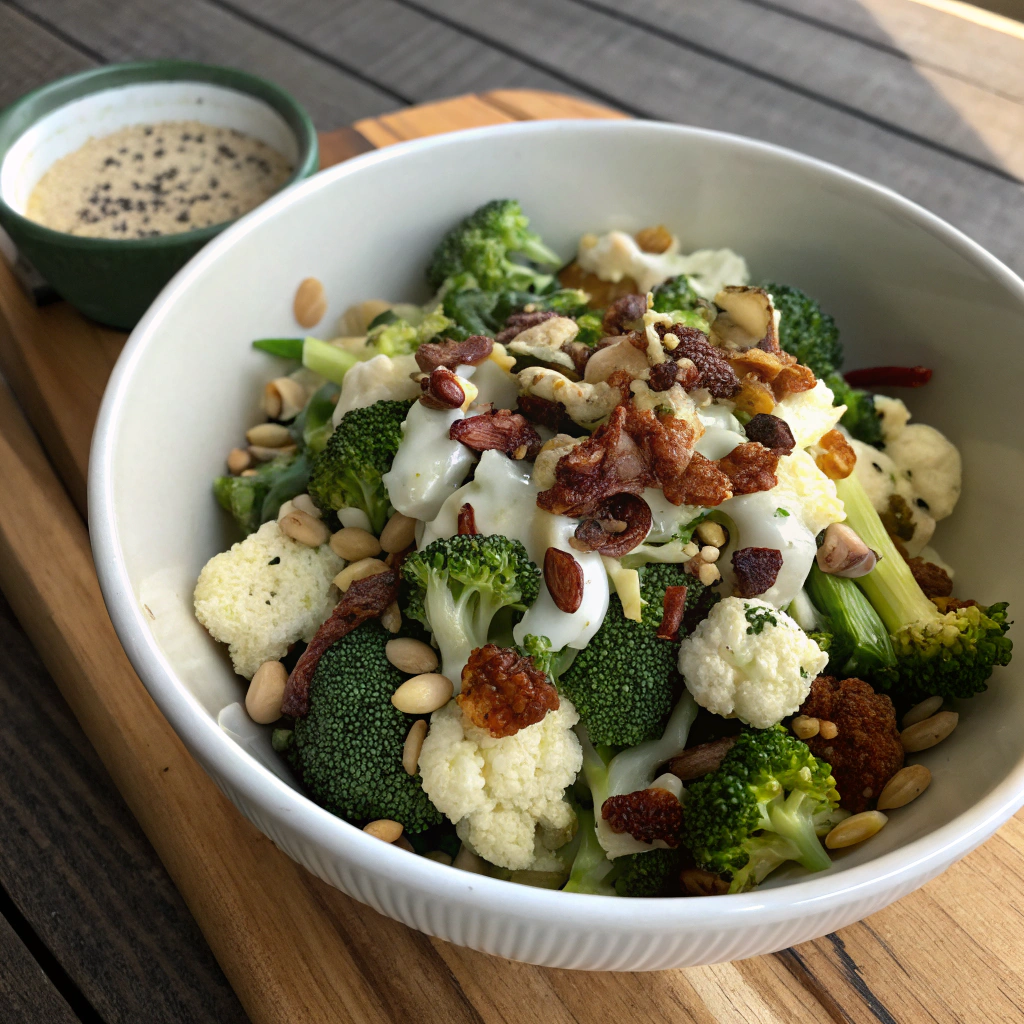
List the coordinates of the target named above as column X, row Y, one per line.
column 552, row 663
column 855, row 627
column 591, row 866
column 347, row 473
column 459, row 584
column 654, row 873
column 348, row 749
column 805, row 331
column 950, row 654
column 764, row 805
column 591, row 327
column 478, row 312
column 482, row 246
column 253, row 500
column 861, row 418
column 623, row 682
column 398, row 337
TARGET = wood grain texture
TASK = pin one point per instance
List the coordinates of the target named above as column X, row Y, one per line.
column 77, row 866
column 297, row 950
column 26, row 994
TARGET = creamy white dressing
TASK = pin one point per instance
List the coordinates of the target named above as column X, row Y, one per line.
column 722, row 431
column 494, row 385
column 504, row 501
column 378, row 379
column 755, row 524
column 666, row 518
column 428, row 466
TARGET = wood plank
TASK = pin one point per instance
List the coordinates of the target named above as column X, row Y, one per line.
column 119, row 30
column 76, row 864
column 533, row 105
column 32, row 56
column 653, row 76
column 946, row 35
column 927, row 103
column 26, row 994
column 435, row 118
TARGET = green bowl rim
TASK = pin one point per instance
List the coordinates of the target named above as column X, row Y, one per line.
column 112, row 76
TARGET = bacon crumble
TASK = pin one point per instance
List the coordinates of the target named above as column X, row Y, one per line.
column 467, row 520
column 750, row 468
column 756, row 570
column 931, row 578
column 622, row 312
column 647, row 815
column 618, row 526
column 546, row 413
column 771, row 431
column 673, row 607
column 504, row 692
column 715, row 372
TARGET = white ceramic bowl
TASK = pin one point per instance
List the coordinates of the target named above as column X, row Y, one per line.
column 904, row 286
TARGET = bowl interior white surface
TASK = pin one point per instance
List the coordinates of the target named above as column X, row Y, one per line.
column 69, row 127
column 903, row 287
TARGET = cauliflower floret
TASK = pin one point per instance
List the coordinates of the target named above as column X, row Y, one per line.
column 674, row 400
column 809, row 413
column 264, row 594
column 381, row 378
column 931, row 463
column 805, row 490
column 893, row 497
column 750, row 661
column 499, row 792
column 893, row 414
column 585, row 403
column 544, row 341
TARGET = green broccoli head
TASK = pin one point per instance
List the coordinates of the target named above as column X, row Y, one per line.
column 458, row 585
column 763, row 806
column 480, row 312
column 861, row 418
column 252, row 500
column 591, row 327
column 675, row 293
column 647, row 874
column 348, row 472
column 398, row 337
column 624, row 682
column 348, row 749
column 950, row 653
column 482, row 246
column 805, row 331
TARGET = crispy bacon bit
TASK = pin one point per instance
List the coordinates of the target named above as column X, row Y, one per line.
column 467, row 520
column 872, row 377
column 699, row 760
column 563, row 576
column 623, row 312
column 664, row 375
column 646, row 815
column 698, row 882
column 702, row 484
column 580, row 355
column 501, row 431
column 504, row 692
column 519, row 322
column 608, row 462
column 364, row 599
column 548, row 414
column 931, row 578
column 793, row 379
column 672, row 613
column 657, row 239
column 618, row 526
column 715, row 372
column 441, row 390
column 750, row 467
column 667, row 444
column 766, row 366
column 756, row 570
column 837, row 457
column 471, row 352
column 772, row 432
column 754, row 396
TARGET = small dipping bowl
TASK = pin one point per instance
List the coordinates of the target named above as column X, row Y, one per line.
column 114, row 280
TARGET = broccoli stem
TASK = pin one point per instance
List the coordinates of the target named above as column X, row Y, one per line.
column 283, row 348
column 328, row 360
column 793, row 819
column 854, row 620
column 890, row 586
column 591, row 868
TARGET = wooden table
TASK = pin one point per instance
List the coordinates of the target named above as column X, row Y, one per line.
column 926, row 97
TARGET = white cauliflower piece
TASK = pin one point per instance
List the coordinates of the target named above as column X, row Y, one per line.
column 883, row 481
column 379, row 379
column 805, row 490
column 750, row 661
column 544, row 341
column 675, row 400
column 500, row 792
column 264, row 594
column 585, row 403
column 810, row 413
column 893, row 414
column 931, row 464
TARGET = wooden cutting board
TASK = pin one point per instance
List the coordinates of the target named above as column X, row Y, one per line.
column 295, row 949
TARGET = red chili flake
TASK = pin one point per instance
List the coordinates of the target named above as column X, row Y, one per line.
column 889, row 377
column 647, row 815
column 672, row 616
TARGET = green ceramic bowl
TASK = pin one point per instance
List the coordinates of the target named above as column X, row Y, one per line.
column 114, row 281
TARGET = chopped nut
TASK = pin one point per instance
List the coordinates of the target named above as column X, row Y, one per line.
column 712, row 533
column 805, row 727
column 828, row 730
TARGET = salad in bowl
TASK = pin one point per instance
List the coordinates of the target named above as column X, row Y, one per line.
column 597, row 577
